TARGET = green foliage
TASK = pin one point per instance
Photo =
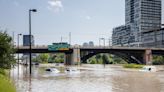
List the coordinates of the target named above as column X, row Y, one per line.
column 98, row 56
column 49, row 58
column 132, row 66
column 2, row 72
column 92, row 61
column 52, row 58
column 43, row 58
column 111, row 61
column 96, row 59
column 99, row 61
column 6, row 51
column 105, row 58
column 59, row 60
column 118, row 60
column 6, row 85
column 158, row 60
column 158, row 63
column 36, row 59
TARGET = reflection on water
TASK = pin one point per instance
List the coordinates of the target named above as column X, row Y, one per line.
column 92, row 78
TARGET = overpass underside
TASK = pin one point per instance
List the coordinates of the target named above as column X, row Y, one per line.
column 79, row 55
column 131, row 56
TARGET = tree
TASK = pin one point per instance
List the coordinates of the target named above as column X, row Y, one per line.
column 158, row 60
column 92, row 60
column 52, row 58
column 105, row 59
column 59, row 58
column 43, row 57
column 118, row 60
column 98, row 56
column 36, row 59
column 6, row 51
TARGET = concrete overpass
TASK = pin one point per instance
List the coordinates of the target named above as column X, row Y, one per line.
column 76, row 54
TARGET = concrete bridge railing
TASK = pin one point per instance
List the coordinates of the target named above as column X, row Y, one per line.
column 74, row 54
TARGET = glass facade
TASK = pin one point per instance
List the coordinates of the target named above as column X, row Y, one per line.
column 120, row 35
column 150, row 15
column 153, row 38
column 143, row 17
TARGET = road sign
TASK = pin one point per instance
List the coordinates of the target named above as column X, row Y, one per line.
column 58, row 46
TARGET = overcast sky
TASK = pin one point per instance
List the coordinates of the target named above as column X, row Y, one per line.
column 87, row 20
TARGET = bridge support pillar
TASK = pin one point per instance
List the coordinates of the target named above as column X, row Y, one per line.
column 148, row 57
column 73, row 58
column 68, row 59
column 76, row 56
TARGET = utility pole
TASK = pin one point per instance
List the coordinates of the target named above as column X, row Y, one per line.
column 162, row 37
column 103, row 41
column 30, row 10
column 109, row 42
column 61, row 39
column 18, row 53
column 70, row 38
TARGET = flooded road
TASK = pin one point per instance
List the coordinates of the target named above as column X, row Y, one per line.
column 92, row 78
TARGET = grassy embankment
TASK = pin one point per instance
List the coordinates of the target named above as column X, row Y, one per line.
column 133, row 66
column 5, row 84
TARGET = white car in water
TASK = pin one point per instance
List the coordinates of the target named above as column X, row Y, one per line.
column 53, row 70
column 148, row 69
column 72, row 70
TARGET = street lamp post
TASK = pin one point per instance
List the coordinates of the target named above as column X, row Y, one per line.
column 61, row 39
column 162, row 38
column 18, row 53
column 110, row 42
column 18, row 46
column 70, row 38
column 30, row 10
column 104, row 41
column 99, row 41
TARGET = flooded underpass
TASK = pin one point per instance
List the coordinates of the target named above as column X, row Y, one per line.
column 91, row 78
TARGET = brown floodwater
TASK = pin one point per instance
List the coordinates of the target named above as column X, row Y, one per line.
column 92, row 78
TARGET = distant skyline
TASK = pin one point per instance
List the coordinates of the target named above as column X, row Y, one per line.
column 87, row 20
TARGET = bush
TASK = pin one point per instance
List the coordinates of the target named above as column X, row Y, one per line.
column 158, row 63
column 92, row 61
column 158, row 60
column 132, row 66
column 118, row 60
column 6, row 51
column 59, row 60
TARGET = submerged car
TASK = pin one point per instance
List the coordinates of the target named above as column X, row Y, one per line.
column 148, row 69
column 72, row 70
column 54, row 70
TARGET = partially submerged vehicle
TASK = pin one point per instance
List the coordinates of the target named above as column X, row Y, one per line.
column 148, row 69
column 72, row 70
column 54, row 70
